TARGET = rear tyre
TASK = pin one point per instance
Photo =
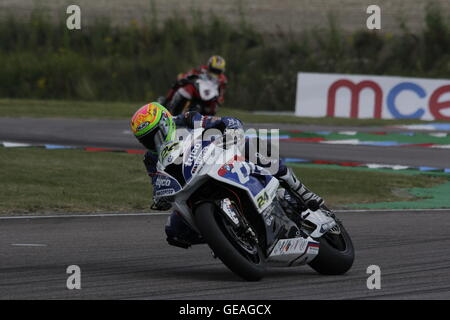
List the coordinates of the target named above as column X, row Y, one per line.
column 225, row 246
column 336, row 253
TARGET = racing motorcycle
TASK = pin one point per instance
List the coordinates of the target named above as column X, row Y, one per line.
column 195, row 93
column 246, row 217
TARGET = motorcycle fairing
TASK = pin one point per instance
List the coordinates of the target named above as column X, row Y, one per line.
column 321, row 220
column 294, row 251
column 165, row 185
column 239, row 174
column 207, row 88
column 194, row 160
column 260, row 188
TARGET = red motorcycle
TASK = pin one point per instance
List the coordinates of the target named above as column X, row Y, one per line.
column 195, row 93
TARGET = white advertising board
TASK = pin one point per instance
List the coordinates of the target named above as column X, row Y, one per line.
column 365, row 96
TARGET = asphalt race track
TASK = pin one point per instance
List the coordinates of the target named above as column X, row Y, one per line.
column 126, row 257
column 116, row 134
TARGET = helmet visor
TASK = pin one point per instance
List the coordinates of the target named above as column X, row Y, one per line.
column 161, row 134
column 215, row 71
column 149, row 140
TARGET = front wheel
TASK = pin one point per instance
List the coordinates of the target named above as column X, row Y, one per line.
column 336, row 253
column 244, row 259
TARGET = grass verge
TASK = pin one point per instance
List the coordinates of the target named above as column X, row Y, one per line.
column 35, row 180
column 361, row 187
column 41, row 58
column 124, row 110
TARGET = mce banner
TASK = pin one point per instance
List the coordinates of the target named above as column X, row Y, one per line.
column 366, row 96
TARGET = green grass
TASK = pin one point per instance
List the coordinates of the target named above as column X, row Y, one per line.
column 67, row 109
column 124, row 110
column 38, row 180
column 35, row 180
column 367, row 188
column 436, row 197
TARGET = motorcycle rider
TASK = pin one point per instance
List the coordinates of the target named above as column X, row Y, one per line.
column 215, row 69
column 154, row 126
column 195, row 96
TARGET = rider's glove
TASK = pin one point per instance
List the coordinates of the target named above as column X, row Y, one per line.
column 161, row 204
column 229, row 123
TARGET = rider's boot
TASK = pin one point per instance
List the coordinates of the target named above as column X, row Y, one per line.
column 179, row 233
column 312, row 200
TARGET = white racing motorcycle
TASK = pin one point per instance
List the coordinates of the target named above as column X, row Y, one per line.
column 196, row 93
column 245, row 216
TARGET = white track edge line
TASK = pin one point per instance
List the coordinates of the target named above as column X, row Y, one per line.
column 87, row 215
column 107, row 215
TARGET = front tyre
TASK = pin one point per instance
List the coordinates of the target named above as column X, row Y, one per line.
column 214, row 229
column 336, row 253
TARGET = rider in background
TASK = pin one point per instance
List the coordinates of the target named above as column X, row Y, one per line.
column 154, row 126
column 215, row 68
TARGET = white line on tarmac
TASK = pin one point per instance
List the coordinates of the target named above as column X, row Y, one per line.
column 391, row 210
column 107, row 215
column 87, row 215
column 28, row 244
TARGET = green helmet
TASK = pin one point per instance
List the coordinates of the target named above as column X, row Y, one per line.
column 153, row 126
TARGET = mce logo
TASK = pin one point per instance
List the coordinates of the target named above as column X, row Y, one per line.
column 416, row 109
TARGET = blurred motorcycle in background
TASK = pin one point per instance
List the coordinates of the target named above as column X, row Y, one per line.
column 195, row 93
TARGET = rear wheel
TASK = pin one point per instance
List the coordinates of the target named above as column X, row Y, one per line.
column 244, row 258
column 336, row 253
